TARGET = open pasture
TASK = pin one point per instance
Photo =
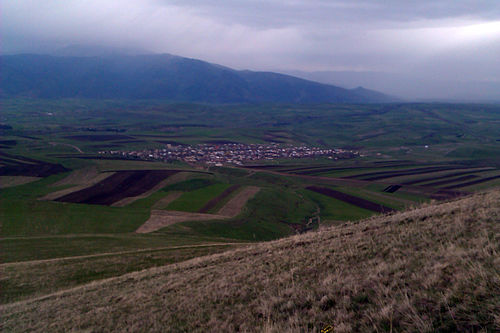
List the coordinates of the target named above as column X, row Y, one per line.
column 332, row 210
column 37, row 278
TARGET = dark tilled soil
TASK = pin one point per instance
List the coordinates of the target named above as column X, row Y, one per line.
column 390, row 174
column 356, row 201
column 448, row 181
column 8, row 142
column 121, row 185
column 392, row 188
column 213, row 202
column 478, row 181
column 14, row 166
column 421, row 180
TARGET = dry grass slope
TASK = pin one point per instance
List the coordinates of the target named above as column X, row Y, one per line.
column 436, row 268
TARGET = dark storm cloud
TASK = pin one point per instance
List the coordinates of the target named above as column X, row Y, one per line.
column 363, row 12
column 451, row 39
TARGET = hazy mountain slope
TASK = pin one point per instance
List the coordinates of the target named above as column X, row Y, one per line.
column 409, row 87
column 436, row 268
column 161, row 77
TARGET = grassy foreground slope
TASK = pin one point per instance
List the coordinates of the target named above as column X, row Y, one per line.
column 435, row 268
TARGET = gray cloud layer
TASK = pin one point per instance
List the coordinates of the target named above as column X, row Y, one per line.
column 446, row 39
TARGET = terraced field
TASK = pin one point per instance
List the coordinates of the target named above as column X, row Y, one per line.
column 197, row 200
column 122, row 184
column 15, row 165
column 353, row 200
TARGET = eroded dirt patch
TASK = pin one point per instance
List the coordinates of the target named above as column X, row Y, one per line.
column 164, row 202
column 9, row 181
column 79, row 177
column 234, row 206
column 163, row 218
column 87, row 181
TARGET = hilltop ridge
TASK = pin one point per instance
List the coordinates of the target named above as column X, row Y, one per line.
column 434, row 268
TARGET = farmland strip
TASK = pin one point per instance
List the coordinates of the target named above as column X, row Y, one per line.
column 362, row 203
column 449, row 181
column 391, row 174
column 24, row 166
column 235, row 205
column 421, row 180
column 446, row 195
column 323, row 170
column 213, row 202
column 118, row 186
column 482, row 180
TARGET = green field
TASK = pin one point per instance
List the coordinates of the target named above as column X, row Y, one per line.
column 336, row 210
column 389, row 138
column 193, row 201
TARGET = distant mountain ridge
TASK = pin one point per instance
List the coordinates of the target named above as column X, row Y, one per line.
column 162, row 76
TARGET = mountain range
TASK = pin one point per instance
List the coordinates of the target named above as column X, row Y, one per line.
column 162, row 76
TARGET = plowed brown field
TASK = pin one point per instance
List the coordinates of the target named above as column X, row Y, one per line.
column 121, row 185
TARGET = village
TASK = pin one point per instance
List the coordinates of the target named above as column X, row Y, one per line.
column 232, row 153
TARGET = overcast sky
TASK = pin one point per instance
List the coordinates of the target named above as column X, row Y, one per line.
column 445, row 39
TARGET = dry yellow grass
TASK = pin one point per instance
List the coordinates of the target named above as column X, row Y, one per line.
column 163, row 218
column 9, row 181
column 83, row 178
column 435, row 268
column 164, row 202
column 234, row 206
column 79, row 177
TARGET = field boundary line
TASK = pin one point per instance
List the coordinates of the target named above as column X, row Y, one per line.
column 128, row 200
column 67, row 145
column 91, row 182
column 110, row 254
column 163, row 218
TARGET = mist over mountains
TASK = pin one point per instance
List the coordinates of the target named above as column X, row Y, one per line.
column 409, row 87
column 126, row 74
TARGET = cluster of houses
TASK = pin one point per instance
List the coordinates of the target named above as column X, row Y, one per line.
column 232, row 153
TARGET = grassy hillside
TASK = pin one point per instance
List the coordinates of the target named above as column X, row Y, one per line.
column 435, row 268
